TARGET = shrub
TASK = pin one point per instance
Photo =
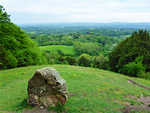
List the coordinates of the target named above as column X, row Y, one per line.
column 99, row 62
column 88, row 48
column 62, row 60
column 71, row 60
column 145, row 75
column 133, row 69
column 52, row 57
column 12, row 61
column 7, row 59
column 84, row 60
column 102, row 62
column 30, row 56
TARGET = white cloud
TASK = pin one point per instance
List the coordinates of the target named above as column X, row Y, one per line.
column 77, row 10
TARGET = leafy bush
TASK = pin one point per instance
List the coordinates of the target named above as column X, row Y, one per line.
column 88, row 48
column 99, row 62
column 30, row 56
column 145, row 75
column 102, row 62
column 12, row 62
column 71, row 60
column 133, row 69
column 7, row 59
column 52, row 57
column 85, row 60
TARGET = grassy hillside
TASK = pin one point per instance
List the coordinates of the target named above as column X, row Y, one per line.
column 90, row 90
column 66, row 50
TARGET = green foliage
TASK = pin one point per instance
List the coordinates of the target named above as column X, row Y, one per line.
column 99, row 62
column 133, row 69
column 7, row 59
column 63, row 55
column 94, row 42
column 71, row 60
column 4, row 17
column 85, row 60
column 92, row 49
column 128, row 50
column 30, row 56
column 102, row 62
column 79, row 29
column 52, row 57
column 17, row 49
column 12, row 61
column 145, row 75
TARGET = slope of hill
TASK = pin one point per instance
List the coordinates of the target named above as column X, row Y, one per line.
column 89, row 90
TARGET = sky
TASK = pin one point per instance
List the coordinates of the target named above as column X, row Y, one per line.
column 98, row 11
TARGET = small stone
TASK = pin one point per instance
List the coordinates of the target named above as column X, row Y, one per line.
column 41, row 107
column 46, row 88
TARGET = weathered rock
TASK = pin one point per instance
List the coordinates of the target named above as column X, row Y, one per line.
column 46, row 88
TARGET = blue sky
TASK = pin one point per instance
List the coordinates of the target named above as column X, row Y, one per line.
column 46, row 11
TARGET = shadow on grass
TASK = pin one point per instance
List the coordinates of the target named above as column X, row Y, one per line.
column 58, row 109
column 23, row 105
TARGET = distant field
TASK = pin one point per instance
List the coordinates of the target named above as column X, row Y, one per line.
column 66, row 50
column 92, row 90
column 126, row 36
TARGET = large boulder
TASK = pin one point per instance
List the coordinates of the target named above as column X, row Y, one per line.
column 46, row 88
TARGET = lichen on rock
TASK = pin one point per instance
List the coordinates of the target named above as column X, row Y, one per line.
column 46, row 88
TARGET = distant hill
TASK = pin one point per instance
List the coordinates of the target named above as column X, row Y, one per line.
column 141, row 25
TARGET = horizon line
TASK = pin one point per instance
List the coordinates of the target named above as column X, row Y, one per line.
column 81, row 22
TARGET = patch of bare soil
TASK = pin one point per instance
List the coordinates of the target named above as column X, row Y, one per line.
column 71, row 94
column 130, row 81
column 141, row 108
column 40, row 110
column 45, row 110
column 5, row 112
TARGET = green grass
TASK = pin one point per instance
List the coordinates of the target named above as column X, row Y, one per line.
column 66, row 50
column 97, row 90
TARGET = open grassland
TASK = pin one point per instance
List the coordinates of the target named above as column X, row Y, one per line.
column 66, row 50
column 90, row 90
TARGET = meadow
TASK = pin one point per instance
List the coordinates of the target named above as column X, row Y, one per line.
column 66, row 50
column 89, row 90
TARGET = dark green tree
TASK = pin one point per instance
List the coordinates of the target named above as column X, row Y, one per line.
column 138, row 44
column 85, row 60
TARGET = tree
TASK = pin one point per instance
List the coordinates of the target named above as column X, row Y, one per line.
column 17, row 49
column 88, row 48
column 138, row 44
column 4, row 17
column 85, row 60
